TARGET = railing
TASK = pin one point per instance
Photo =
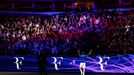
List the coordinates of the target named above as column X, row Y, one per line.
column 39, row 0
column 29, row 13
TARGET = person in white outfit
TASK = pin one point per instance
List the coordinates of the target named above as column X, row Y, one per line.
column 82, row 61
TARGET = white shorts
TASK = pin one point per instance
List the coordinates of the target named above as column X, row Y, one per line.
column 82, row 65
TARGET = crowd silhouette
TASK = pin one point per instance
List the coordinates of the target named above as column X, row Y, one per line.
column 103, row 32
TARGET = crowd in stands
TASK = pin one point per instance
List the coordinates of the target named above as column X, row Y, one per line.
column 103, row 33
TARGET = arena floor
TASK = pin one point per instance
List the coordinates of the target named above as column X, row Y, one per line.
column 34, row 73
column 94, row 64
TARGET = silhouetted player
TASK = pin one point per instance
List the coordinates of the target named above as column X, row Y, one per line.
column 42, row 61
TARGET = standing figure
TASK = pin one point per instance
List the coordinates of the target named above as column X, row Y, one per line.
column 82, row 61
column 42, row 61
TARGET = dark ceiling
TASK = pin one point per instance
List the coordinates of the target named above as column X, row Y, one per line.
column 114, row 3
column 44, row 5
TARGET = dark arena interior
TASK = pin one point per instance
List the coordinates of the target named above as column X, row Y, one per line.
column 66, row 37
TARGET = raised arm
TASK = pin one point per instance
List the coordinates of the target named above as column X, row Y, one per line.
column 79, row 52
column 89, row 53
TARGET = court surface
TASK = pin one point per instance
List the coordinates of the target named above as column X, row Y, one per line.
column 94, row 64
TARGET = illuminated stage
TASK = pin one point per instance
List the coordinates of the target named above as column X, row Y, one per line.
column 115, row 64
